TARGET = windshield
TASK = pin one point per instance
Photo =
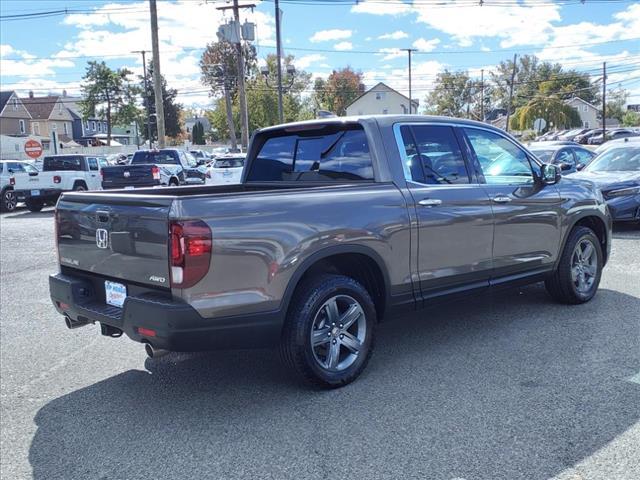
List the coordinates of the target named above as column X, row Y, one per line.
column 623, row 159
column 544, row 155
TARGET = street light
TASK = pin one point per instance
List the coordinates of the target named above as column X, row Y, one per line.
column 281, row 87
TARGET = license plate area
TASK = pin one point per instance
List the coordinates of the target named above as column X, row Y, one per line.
column 35, row 193
column 115, row 293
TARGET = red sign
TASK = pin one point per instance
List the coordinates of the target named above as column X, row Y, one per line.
column 33, row 148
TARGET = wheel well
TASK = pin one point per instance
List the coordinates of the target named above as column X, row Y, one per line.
column 361, row 268
column 79, row 182
column 599, row 228
column 173, row 180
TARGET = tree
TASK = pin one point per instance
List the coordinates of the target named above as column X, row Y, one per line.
column 108, row 92
column 631, row 119
column 338, row 91
column 197, row 134
column 219, row 68
column 616, row 100
column 172, row 110
column 453, row 95
column 547, row 105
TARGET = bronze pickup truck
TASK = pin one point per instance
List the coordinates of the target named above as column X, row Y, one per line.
column 337, row 224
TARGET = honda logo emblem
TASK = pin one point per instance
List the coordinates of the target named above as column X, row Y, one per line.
column 102, row 238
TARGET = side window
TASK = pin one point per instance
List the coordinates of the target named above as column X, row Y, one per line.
column 583, row 156
column 564, row 156
column 16, row 167
column 93, row 163
column 502, row 162
column 432, row 155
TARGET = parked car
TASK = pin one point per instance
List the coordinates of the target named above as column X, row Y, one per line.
column 60, row 173
column 572, row 134
column 613, row 134
column 225, row 169
column 631, row 141
column 583, row 139
column 339, row 223
column 10, row 170
column 616, row 171
column 149, row 168
column 201, row 155
column 569, row 156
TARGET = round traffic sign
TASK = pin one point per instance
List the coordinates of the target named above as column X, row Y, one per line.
column 33, row 148
column 539, row 124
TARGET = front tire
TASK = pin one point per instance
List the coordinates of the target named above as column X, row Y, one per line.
column 9, row 201
column 578, row 274
column 34, row 205
column 329, row 332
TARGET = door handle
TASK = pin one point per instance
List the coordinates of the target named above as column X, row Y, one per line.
column 430, row 202
column 501, row 199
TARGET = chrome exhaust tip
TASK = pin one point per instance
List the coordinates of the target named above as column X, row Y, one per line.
column 154, row 352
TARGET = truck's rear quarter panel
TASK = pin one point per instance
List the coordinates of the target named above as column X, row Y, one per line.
column 260, row 240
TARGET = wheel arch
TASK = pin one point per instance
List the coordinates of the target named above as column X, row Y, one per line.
column 356, row 261
column 594, row 222
column 78, row 182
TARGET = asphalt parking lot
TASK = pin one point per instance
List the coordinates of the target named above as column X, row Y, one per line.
column 509, row 386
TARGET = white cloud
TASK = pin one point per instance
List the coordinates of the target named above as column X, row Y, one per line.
column 306, row 61
column 391, row 53
column 426, row 45
column 343, row 46
column 333, row 34
column 376, row 7
column 19, row 63
column 397, row 35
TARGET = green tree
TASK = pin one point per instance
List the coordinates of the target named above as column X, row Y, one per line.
column 197, row 134
column 616, row 100
column 455, row 94
column 631, row 119
column 108, row 93
column 548, row 105
column 335, row 93
column 172, row 109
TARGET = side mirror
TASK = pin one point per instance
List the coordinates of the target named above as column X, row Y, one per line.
column 201, row 162
column 580, row 166
column 550, row 174
column 565, row 167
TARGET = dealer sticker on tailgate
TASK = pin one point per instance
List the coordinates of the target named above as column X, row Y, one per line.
column 115, row 293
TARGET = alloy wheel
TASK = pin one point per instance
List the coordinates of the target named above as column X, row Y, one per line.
column 584, row 266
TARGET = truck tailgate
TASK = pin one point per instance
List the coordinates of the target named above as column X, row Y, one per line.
column 128, row 175
column 116, row 235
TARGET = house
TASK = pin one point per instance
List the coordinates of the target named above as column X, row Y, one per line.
column 49, row 114
column 84, row 130
column 14, row 117
column 381, row 99
column 588, row 113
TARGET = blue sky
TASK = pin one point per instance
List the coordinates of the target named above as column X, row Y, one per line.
column 49, row 54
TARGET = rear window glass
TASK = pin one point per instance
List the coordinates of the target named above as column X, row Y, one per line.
column 161, row 157
column 229, row 163
column 62, row 162
column 334, row 155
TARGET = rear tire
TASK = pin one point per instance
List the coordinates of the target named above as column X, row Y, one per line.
column 9, row 201
column 328, row 336
column 173, row 182
column 34, row 205
column 79, row 187
column 578, row 274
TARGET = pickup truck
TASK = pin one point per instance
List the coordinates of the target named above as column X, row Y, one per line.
column 151, row 168
column 12, row 171
column 60, row 173
column 338, row 224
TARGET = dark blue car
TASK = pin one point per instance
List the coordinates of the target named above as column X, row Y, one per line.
column 616, row 172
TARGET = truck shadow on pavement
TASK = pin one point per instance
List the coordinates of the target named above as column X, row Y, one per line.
column 507, row 386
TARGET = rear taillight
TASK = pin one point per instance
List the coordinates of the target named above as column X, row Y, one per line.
column 12, row 180
column 155, row 171
column 57, row 232
column 57, row 179
column 190, row 246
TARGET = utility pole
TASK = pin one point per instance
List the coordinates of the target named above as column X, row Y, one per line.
column 157, row 78
column 604, row 101
column 244, row 114
column 146, row 94
column 409, row 51
column 279, row 54
column 513, row 77
column 482, row 94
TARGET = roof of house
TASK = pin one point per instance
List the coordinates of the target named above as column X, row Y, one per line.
column 414, row 102
column 4, row 98
column 40, row 108
column 583, row 101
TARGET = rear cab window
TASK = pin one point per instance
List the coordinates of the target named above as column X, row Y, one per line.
column 162, row 157
column 334, row 153
column 229, row 163
column 62, row 162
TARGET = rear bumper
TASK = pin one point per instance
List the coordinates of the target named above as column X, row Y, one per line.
column 43, row 193
column 625, row 209
column 111, row 186
column 177, row 326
